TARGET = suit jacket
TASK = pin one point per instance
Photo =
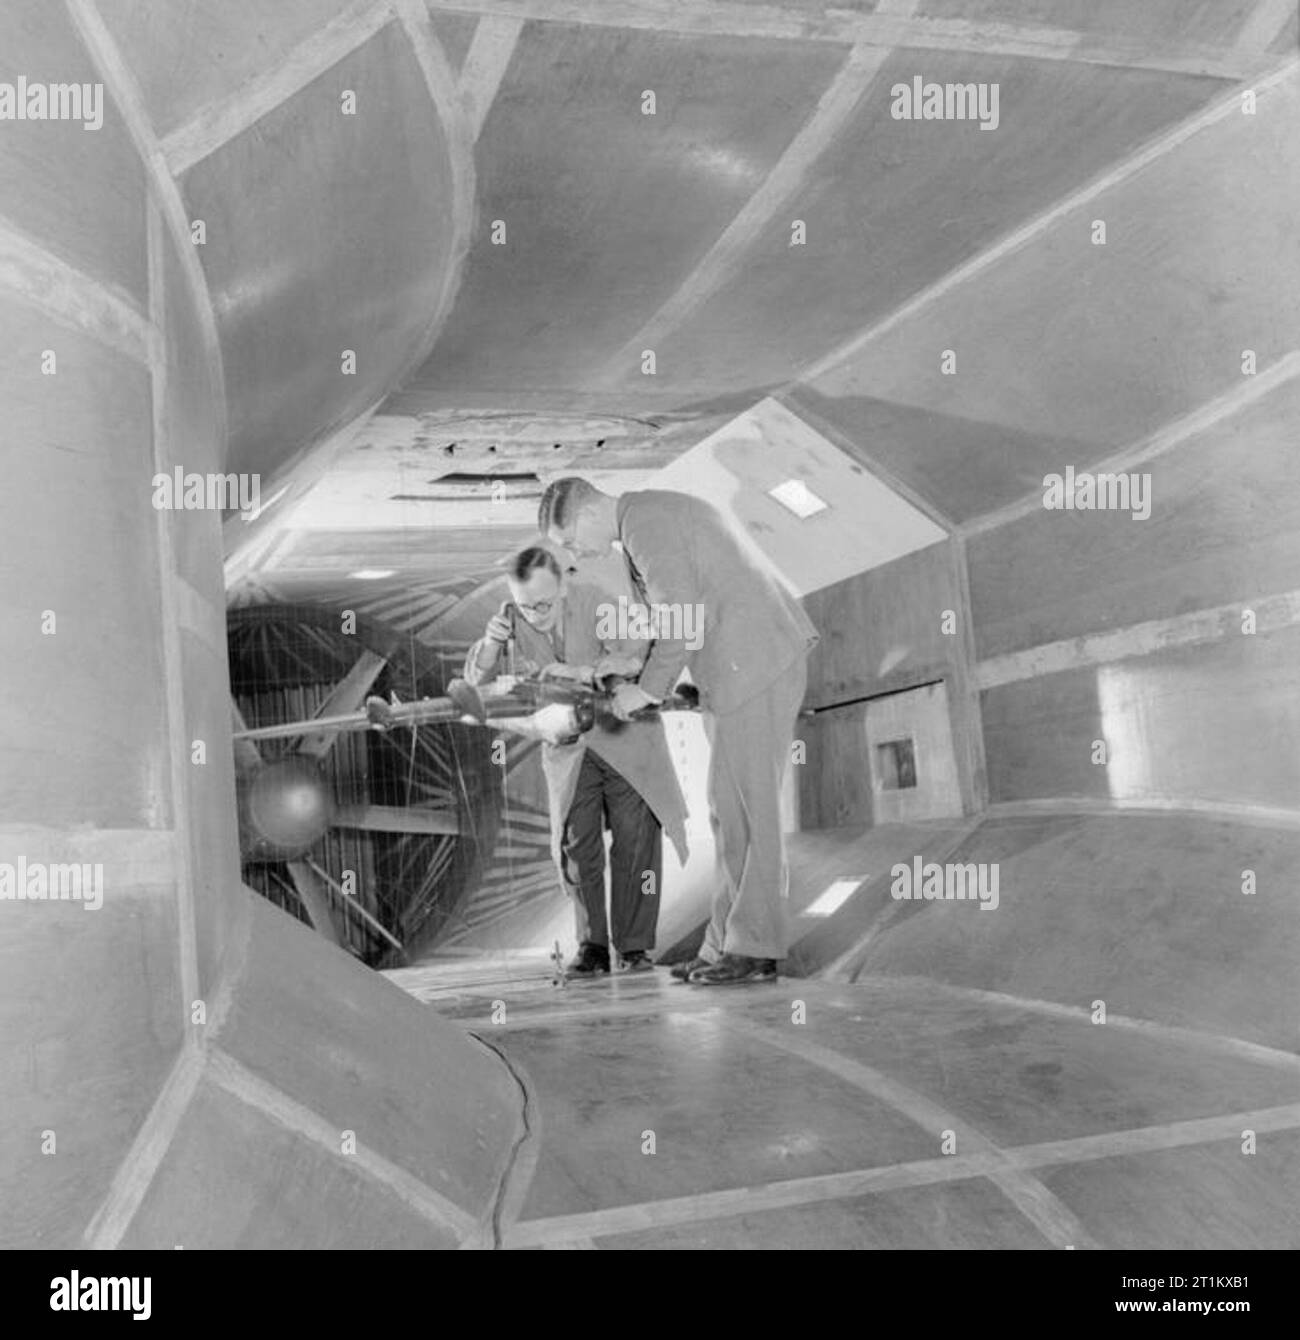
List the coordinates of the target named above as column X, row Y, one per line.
column 637, row 750
column 679, row 552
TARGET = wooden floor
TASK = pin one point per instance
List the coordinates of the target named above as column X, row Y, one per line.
column 891, row 1112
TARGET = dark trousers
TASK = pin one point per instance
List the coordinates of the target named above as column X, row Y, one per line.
column 603, row 797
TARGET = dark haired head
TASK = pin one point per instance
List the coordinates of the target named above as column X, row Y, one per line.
column 527, row 561
column 561, row 503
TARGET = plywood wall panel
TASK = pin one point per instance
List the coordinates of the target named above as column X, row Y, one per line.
column 1218, row 723
column 326, row 232
column 608, row 210
column 99, row 227
column 186, row 57
column 894, row 203
column 1224, row 526
column 883, row 629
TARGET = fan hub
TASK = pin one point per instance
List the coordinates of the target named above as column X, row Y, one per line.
column 290, row 806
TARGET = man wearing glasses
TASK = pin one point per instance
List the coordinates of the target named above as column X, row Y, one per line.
column 617, row 775
column 749, row 668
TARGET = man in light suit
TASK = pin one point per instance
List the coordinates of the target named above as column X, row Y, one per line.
column 748, row 660
column 622, row 777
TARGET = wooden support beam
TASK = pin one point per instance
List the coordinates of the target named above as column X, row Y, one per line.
column 734, row 18
column 117, row 78
column 485, row 66
column 1204, row 417
column 726, row 256
column 43, row 280
column 444, row 93
column 219, row 122
column 1194, row 629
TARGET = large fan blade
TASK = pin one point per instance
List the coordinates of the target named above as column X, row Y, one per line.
column 347, row 696
column 353, row 906
column 395, row 819
column 247, row 757
column 315, row 898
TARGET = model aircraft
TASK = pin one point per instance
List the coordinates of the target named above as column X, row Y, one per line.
column 557, row 711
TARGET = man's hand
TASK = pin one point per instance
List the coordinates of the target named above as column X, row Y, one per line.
column 617, row 667
column 499, row 630
column 554, row 723
column 630, row 699
column 574, row 674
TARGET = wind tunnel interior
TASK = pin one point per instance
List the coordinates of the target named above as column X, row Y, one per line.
column 184, row 1065
column 1098, row 705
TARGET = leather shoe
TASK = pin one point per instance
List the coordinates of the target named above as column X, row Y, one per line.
column 590, row 961
column 732, row 969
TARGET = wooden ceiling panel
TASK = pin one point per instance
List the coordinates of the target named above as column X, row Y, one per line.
column 894, row 205
column 962, row 468
column 186, row 56
column 1107, row 343
column 606, row 209
column 1289, row 38
column 1224, row 526
column 302, row 256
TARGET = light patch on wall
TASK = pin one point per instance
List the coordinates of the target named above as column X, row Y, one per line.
column 372, row 574
column 1122, row 727
column 795, row 495
column 744, row 467
column 725, row 165
column 834, row 896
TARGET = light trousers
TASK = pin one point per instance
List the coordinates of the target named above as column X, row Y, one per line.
column 750, row 755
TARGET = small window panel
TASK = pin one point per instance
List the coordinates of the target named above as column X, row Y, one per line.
column 896, row 765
